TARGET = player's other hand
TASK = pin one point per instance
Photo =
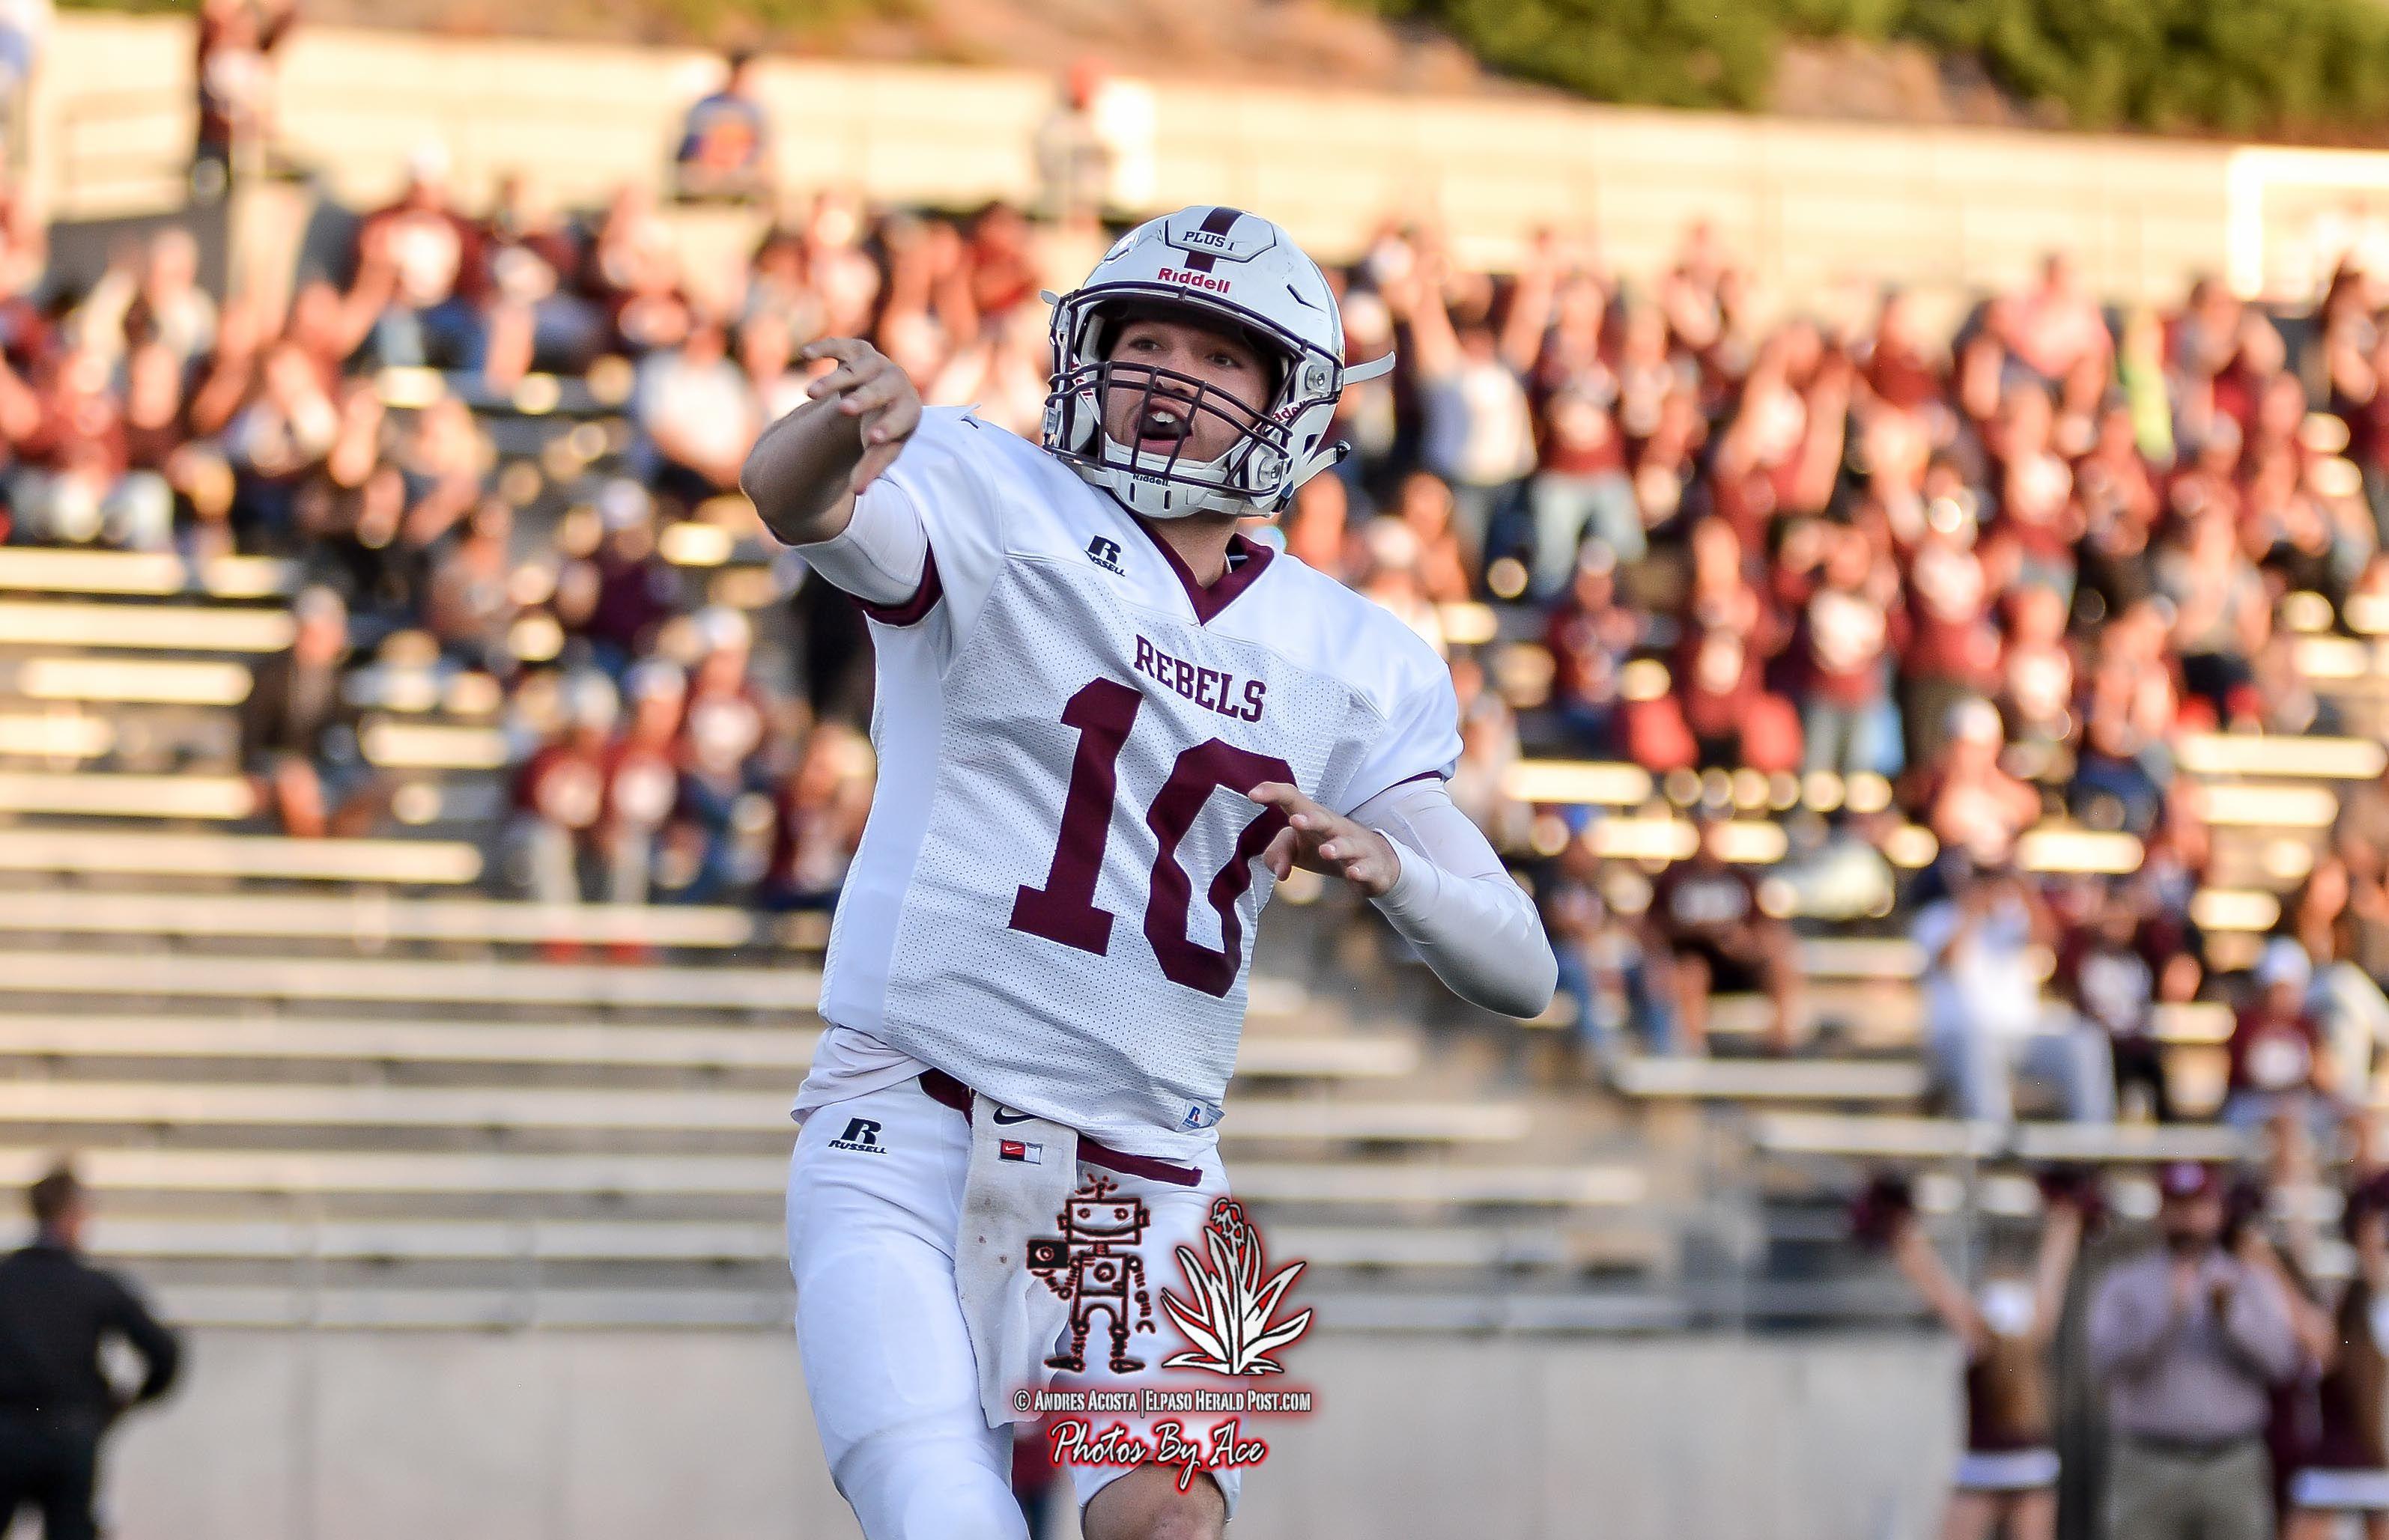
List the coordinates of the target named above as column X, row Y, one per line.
column 866, row 385
column 1317, row 840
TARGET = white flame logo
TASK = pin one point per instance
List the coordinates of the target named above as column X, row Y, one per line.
column 1229, row 1320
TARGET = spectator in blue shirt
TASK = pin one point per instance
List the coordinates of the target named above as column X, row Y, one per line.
column 725, row 143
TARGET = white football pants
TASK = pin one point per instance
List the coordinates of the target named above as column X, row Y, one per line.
column 888, row 1360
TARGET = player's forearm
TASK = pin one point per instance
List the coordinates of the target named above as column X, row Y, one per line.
column 1480, row 934
column 798, row 473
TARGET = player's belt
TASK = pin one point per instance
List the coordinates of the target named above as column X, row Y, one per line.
column 944, row 1088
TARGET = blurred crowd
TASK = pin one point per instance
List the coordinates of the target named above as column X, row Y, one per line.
column 1997, row 571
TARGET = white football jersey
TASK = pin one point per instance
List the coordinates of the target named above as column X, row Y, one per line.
column 1056, row 894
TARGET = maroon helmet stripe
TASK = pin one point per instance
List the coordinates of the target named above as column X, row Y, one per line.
column 1218, row 221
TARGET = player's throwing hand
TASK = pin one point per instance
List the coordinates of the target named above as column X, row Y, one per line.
column 1317, row 840
column 867, row 385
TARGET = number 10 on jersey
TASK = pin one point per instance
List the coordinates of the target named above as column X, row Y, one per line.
column 1064, row 908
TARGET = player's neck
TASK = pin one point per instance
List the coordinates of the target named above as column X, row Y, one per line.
column 1200, row 540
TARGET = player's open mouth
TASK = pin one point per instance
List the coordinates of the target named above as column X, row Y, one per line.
column 1164, row 427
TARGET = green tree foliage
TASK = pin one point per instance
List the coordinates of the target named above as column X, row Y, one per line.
column 2245, row 67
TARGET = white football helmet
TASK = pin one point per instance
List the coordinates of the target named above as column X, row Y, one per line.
column 1224, row 265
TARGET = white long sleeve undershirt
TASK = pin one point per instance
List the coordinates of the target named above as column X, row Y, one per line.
column 1457, row 904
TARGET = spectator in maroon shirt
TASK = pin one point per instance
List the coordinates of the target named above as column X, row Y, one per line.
column 1781, row 452
column 2039, row 519
column 2328, row 917
column 1897, row 369
column 1850, row 628
column 435, row 266
column 2121, row 768
column 1970, row 803
column 2035, row 673
column 1952, row 651
column 2054, row 326
column 559, row 804
column 1705, row 922
column 2341, row 1462
column 1591, row 635
column 233, row 40
column 818, row 819
column 1719, row 711
column 622, row 592
column 642, row 782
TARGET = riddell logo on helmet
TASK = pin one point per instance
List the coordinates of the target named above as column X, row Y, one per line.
column 1194, row 280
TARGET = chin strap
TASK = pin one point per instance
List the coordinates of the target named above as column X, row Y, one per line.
column 1355, row 372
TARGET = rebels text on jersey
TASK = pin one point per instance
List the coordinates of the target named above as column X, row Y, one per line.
column 1056, row 893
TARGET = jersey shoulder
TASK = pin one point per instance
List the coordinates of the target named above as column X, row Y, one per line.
column 1036, row 495
column 1321, row 625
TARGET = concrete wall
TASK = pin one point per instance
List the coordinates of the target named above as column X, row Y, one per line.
column 1824, row 210
column 1819, row 209
column 698, row 1435
column 1816, row 207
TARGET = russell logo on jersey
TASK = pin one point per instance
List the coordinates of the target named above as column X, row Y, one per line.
column 1105, row 552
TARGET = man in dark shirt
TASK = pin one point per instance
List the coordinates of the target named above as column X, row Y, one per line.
column 1705, row 920
column 55, row 1400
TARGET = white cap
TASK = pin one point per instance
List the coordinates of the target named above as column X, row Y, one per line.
column 590, row 701
column 721, row 628
column 1975, row 719
column 428, row 161
column 2284, row 962
column 622, row 502
column 654, row 677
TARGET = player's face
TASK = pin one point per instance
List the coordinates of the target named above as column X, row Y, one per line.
column 1165, row 423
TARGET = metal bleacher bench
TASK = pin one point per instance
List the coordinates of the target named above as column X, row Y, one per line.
column 32, row 569
column 1949, row 1138
column 282, row 1040
column 151, row 628
column 524, row 1174
column 374, row 916
column 1772, row 1080
column 88, row 793
column 405, row 862
column 407, row 981
column 183, row 1104
column 726, row 1241
column 129, row 680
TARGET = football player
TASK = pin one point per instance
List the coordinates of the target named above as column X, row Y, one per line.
column 1105, row 720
